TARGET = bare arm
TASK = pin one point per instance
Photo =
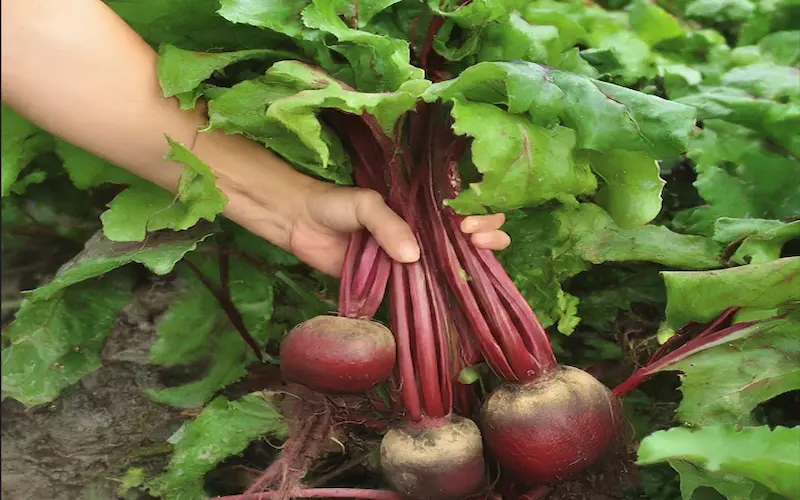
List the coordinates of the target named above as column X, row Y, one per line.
column 79, row 71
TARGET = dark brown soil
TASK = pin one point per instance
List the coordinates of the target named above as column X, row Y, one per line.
column 80, row 446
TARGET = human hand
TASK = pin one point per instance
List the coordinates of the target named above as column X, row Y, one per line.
column 320, row 232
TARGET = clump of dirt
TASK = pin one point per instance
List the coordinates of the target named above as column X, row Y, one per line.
column 80, row 446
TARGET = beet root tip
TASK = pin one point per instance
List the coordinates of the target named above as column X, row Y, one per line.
column 434, row 463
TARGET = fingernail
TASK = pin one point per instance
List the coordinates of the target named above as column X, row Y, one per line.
column 409, row 252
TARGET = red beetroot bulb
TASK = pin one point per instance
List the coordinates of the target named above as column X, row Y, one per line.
column 552, row 428
column 338, row 355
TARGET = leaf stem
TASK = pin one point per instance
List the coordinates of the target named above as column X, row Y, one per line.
column 227, row 305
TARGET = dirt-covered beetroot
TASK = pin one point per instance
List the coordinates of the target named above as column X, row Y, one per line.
column 426, row 462
column 549, row 429
column 338, row 355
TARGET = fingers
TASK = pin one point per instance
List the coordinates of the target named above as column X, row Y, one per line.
column 482, row 223
column 485, row 231
column 389, row 229
column 494, row 240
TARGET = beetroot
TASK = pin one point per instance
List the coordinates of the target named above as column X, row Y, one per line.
column 433, row 461
column 551, row 428
column 338, row 355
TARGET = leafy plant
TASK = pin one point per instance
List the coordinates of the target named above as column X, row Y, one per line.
column 580, row 122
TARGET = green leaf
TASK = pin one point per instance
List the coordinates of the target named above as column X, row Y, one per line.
column 519, row 40
column 190, row 24
column 605, row 117
column 182, row 71
column 725, row 383
column 280, row 109
column 701, row 296
column 720, row 10
column 22, row 141
column 224, row 428
column 54, row 341
column 740, row 177
column 652, row 23
column 783, row 47
column 732, row 486
column 276, row 15
column 522, row 164
column 759, row 240
column 765, row 80
column 631, row 192
column 379, row 63
column 597, row 239
column 86, row 170
column 195, row 328
column 159, row 254
column 197, row 187
column 144, row 207
column 552, row 246
column 475, row 13
column 774, row 120
column 758, row 453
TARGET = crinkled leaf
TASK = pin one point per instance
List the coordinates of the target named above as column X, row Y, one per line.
column 29, row 179
column 190, row 24
column 145, row 207
column 519, row 40
column 769, row 456
column 224, row 428
column 553, row 246
column 196, row 328
column 605, row 116
column 22, row 141
column 228, row 365
column 280, row 109
column 86, row 170
column 361, row 12
column 720, row 10
column 725, row 383
column 522, row 164
column 54, row 341
column 741, row 177
column 379, row 63
column 702, row 295
column 159, row 253
column 652, row 23
column 631, row 190
column 759, row 240
column 182, row 71
column 769, row 16
column 197, row 188
column 765, row 80
column 281, row 16
column 596, row 238
column 475, row 13
column 634, row 57
column 732, row 486
column 775, row 120
column 783, row 47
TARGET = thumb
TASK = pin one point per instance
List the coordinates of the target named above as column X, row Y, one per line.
column 366, row 208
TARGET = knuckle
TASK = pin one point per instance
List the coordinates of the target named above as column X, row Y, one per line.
column 368, row 199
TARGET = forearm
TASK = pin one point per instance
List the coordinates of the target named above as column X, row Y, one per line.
column 79, row 71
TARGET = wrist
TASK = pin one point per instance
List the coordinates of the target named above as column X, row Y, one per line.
column 265, row 194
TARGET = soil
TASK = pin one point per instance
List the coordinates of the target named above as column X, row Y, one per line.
column 80, row 446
